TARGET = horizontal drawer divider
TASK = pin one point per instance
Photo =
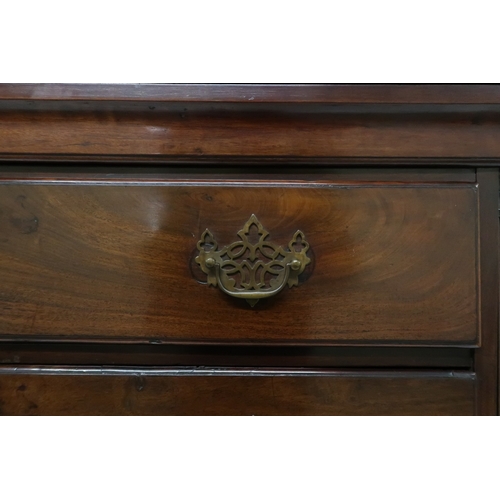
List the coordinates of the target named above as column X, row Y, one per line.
column 20, row 353
column 230, row 372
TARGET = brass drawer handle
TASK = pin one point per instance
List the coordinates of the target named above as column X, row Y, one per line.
column 240, row 269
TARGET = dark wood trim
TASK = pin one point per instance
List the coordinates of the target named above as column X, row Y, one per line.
column 137, row 161
column 252, row 134
column 486, row 363
column 266, row 93
column 244, row 342
column 231, row 372
column 216, row 174
column 22, row 354
column 137, row 391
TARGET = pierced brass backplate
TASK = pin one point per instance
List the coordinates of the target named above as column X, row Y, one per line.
column 252, row 271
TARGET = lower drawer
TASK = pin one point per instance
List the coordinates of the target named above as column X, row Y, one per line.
column 80, row 391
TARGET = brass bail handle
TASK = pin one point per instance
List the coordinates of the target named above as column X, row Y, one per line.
column 240, row 269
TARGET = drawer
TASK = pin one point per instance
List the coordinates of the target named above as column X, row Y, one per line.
column 113, row 261
column 90, row 391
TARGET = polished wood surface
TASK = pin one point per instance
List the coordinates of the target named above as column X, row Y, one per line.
column 210, row 93
column 390, row 264
column 207, row 123
column 203, row 135
column 244, row 392
column 105, row 190
column 487, row 357
column 308, row 173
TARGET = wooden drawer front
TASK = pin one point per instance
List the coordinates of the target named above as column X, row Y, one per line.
column 390, row 264
column 218, row 392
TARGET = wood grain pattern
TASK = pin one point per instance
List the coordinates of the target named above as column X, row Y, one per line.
column 96, row 258
column 115, row 263
column 247, row 134
column 215, row 392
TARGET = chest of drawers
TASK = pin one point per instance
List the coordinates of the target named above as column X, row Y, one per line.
column 187, row 250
